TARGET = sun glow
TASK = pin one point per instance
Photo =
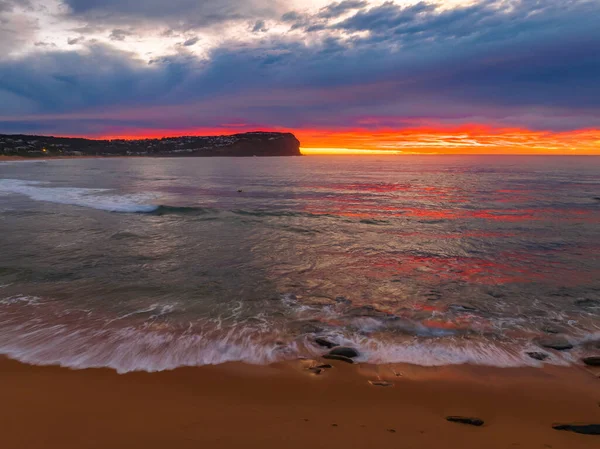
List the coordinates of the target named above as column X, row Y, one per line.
column 342, row 151
column 468, row 139
column 465, row 139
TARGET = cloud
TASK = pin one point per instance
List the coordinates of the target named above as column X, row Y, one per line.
column 523, row 63
column 16, row 28
column 75, row 40
column 191, row 41
column 181, row 14
column 119, row 34
column 259, row 27
column 337, row 9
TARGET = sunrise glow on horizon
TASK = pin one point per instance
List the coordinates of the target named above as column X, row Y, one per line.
column 465, row 139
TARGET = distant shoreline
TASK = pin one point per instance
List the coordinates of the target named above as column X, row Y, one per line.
column 249, row 144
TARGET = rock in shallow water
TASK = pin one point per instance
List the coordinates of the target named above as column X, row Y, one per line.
column 465, row 420
column 592, row 361
column 588, row 303
column 462, row 308
column 325, row 343
column 344, row 351
column 552, row 330
column 338, row 357
column 559, row 343
column 586, row 429
column 342, row 300
column 537, row 355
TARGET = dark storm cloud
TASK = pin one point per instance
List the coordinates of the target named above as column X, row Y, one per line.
column 75, row 40
column 119, row 35
column 183, row 14
column 534, row 65
column 259, row 26
column 337, row 9
column 191, row 41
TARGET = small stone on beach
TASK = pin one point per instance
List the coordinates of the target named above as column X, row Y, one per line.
column 586, row 429
column 465, row 420
column 592, row 361
column 381, row 383
column 391, row 430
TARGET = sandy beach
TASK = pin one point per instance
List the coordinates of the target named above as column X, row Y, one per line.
column 287, row 406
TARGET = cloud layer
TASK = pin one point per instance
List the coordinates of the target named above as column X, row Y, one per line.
column 272, row 64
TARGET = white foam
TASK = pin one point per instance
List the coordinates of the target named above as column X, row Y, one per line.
column 19, row 299
column 129, row 349
column 76, row 196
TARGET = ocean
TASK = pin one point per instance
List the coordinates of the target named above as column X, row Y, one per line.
column 156, row 263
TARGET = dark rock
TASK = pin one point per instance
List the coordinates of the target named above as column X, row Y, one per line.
column 586, row 429
column 381, row 383
column 342, row 300
column 465, row 420
column 433, row 296
column 324, row 366
column 552, row 330
column 558, row 343
column 316, row 370
column 588, row 303
column 391, row 430
column 592, row 361
column 537, row 355
column 325, row 343
column 496, row 295
column 462, row 308
column 344, row 351
column 338, row 357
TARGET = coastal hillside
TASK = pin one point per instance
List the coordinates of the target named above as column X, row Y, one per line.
column 246, row 144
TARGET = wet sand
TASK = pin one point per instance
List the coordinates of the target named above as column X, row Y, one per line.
column 286, row 406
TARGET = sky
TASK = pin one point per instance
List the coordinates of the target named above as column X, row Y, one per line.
column 405, row 76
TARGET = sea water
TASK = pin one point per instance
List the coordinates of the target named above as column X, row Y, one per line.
column 155, row 263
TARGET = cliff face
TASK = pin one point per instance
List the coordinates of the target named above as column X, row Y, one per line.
column 246, row 144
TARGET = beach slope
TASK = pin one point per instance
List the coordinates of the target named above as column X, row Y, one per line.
column 287, row 406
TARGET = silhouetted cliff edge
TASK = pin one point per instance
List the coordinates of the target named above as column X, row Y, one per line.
column 245, row 144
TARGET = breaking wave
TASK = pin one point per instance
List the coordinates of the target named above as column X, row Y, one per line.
column 93, row 198
column 33, row 330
